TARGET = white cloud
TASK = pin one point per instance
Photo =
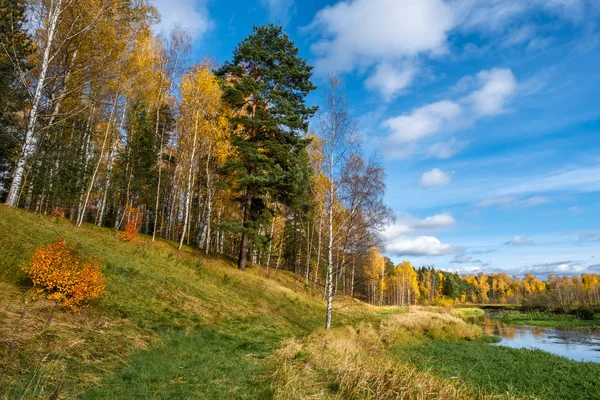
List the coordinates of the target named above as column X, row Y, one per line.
column 535, row 201
column 575, row 210
column 191, row 15
column 390, row 80
column 435, row 222
column 521, row 35
column 419, row 246
column 559, row 268
column 446, row 150
column 435, row 177
column 491, row 92
column 518, row 241
column 465, row 269
column 279, row 10
column 359, row 34
column 422, row 121
column 399, row 244
column 497, row 85
column 462, row 259
column 495, row 15
column 512, row 201
column 406, row 223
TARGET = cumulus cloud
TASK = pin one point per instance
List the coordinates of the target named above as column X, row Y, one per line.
column 435, row 177
column 434, row 222
column 422, row 121
column 406, row 223
column 383, row 33
column 363, row 34
column 559, row 268
column 191, row 15
column 496, row 87
column 518, row 241
column 399, row 243
column 355, row 33
column 419, row 246
column 390, row 80
column 489, row 96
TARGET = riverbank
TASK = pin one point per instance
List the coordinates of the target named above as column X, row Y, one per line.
column 545, row 319
column 497, row 369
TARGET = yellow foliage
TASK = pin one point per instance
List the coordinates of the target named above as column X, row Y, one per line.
column 60, row 273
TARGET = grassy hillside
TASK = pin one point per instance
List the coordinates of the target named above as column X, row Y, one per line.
column 173, row 322
column 177, row 324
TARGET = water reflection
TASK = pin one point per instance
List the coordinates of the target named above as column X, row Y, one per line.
column 576, row 344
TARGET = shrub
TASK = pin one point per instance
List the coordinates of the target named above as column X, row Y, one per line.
column 131, row 227
column 60, row 273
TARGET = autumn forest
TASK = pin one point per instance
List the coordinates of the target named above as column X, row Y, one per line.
column 176, row 227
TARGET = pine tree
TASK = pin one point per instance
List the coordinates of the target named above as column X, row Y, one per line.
column 266, row 84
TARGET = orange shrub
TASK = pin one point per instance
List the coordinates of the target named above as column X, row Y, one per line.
column 60, row 273
column 58, row 212
column 131, row 227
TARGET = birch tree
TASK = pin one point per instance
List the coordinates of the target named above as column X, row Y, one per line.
column 338, row 131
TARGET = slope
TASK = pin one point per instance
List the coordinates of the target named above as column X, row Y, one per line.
column 173, row 324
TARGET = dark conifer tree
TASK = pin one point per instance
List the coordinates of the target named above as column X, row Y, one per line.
column 266, row 84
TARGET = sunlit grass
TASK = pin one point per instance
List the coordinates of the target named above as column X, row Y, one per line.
column 188, row 311
column 489, row 368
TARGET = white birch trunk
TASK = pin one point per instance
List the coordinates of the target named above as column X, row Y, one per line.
column 28, row 143
column 188, row 194
column 208, row 199
column 93, row 177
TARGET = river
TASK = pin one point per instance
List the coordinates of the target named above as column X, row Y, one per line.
column 580, row 344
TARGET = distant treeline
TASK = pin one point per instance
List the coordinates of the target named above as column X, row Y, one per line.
column 403, row 284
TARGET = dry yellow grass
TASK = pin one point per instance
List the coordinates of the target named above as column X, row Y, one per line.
column 355, row 363
column 419, row 322
column 35, row 335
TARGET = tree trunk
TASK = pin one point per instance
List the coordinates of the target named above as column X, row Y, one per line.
column 208, row 199
column 271, row 241
column 244, row 240
column 330, row 251
column 27, row 147
column 188, row 194
column 93, row 177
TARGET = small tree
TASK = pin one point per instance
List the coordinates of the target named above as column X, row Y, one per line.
column 132, row 225
column 62, row 274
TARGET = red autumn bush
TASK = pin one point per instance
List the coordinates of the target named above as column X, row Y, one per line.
column 60, row 273
column 131, row 227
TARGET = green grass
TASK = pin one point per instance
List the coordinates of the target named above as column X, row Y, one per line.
column 172, row 323
column 177, row 324
column 488, row 368
column 545, row 318
column 465, row 312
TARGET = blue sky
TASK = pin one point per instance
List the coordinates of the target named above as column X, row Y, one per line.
column 486, row 115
